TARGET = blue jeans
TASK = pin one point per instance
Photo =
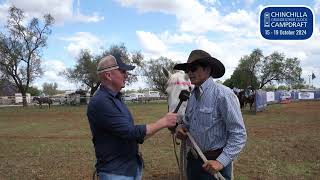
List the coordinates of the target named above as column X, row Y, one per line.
column 196, row 172
column 109, row 176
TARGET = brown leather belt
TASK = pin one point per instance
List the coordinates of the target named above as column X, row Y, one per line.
column 210, row 155
column 213, row 155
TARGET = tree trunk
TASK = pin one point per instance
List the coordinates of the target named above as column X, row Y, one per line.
column 24, row 99
column 93, row 89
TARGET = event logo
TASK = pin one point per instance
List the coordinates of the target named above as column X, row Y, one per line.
column 304, row 95
column 286, row 23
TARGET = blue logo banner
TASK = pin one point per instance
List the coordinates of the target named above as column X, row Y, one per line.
column 260, row 100
column 286, row 23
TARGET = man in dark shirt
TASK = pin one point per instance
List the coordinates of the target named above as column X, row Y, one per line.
column 115, row 137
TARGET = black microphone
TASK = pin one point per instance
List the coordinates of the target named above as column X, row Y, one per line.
column 183, row 96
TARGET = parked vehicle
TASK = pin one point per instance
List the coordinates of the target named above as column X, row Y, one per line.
column 152, row 94
column 133, row 97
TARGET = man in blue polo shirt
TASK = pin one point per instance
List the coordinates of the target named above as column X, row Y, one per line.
column 115, row 137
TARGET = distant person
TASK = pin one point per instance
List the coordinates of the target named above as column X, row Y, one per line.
column 115, row 136
column 236, row 90
column 213, row 118
column 249, row 91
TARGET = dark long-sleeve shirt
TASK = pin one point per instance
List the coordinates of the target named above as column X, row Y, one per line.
column 114, row 135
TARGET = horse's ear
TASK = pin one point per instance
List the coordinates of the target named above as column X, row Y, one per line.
column 166, row 72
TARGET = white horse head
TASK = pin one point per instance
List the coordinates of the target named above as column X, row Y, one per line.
column 176, row 83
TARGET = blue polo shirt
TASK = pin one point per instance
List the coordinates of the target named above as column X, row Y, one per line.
column 114, row 135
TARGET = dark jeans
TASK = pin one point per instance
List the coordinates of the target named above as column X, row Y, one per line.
column 196, row 172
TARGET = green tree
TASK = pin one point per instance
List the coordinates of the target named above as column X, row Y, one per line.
column 135, row 58
column 20, row 48
column 154, row 74
column 250, row 66
column 50, row 89
column 272, row 67
column 292, row 73
column 241, row 78
column 283, row 87
column 270, row 87
column 34, row 91
column 246, row 73
column 301, row 85
column 276, row 67
column 256, row 71
column 85, row 70
column 229, row 83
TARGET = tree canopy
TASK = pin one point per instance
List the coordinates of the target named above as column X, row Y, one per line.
column 50, row 89
column 20, row 48
column 85, row 69
column 256, row 70
column 34, row 91
column 153, row 73
column 135, row 58
column 276, row 67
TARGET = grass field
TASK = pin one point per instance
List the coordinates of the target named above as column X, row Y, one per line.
column 283, row 143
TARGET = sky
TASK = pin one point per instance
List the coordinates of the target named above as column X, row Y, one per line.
column 228, row 30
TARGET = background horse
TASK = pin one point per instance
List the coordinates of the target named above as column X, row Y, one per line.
column 250, row 100
column 177, row 82
column 43, row 100
column 245, row 99
column 242, row 99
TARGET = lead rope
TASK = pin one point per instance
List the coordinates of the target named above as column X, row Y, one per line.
column 181, row 161
column 174, row 141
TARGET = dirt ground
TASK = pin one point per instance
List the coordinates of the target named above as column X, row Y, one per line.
column 283, row 143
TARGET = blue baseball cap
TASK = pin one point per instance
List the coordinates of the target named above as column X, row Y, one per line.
column 109, row 63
